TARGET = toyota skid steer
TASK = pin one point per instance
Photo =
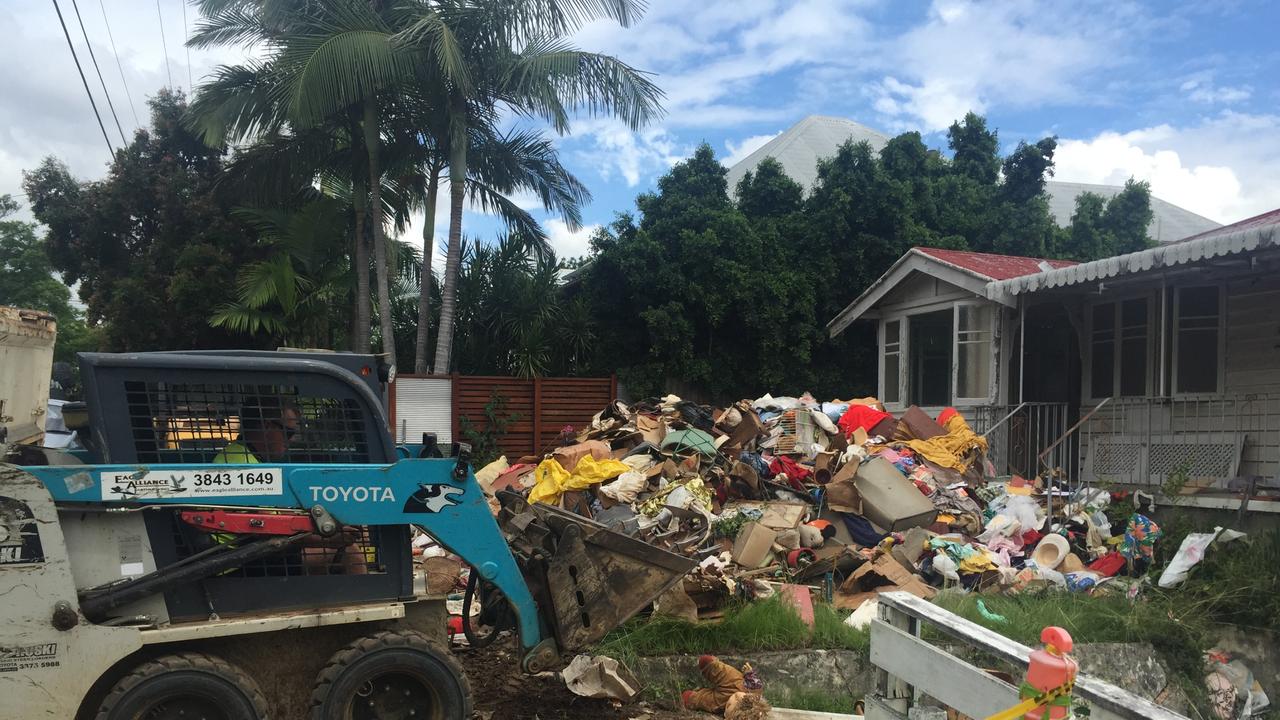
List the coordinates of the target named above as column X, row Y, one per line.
column 234, row 542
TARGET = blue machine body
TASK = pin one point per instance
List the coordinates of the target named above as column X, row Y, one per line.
column 432, row 494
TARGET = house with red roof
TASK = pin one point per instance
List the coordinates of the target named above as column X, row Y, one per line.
column 1169, row 358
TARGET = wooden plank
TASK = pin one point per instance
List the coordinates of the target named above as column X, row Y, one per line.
column 939, row 674
column 1101, row 695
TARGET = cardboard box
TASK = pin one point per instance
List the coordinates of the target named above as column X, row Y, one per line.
column 752, row 547
column 883, row 574
column 889, row 499
column 775, row 515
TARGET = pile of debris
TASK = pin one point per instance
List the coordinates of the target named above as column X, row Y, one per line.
column 840, row 496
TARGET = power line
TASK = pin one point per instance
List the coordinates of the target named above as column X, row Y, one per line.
column 164, row 45
column 94, row 58
column 186, row 32
column 119, row 66
column 85, row 82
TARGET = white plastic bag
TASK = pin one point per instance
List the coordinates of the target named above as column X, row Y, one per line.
column 1191, row 552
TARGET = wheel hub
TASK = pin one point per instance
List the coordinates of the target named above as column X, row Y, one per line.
column 394, row 696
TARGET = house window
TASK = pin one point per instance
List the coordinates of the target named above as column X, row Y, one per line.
column 930, row 343
column 1198, row 339
column 892, row 370
column 1119, row 338
column 973, row 351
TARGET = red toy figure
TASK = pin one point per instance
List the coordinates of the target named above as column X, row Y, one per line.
column 1051, row 668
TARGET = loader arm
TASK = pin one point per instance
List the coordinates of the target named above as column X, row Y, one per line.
column 440, row 496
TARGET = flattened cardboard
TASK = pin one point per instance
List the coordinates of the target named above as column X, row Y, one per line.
column 883, row 574
column 652, row 428
column 752, row 547
column 775, row 515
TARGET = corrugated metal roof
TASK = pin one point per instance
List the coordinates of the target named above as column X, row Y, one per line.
column 990, row 265
column 1261, row 231
column 1168, row 222
column 799, row 147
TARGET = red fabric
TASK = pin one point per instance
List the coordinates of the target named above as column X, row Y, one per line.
column 796, row 473
column 705, row 660
column 946, row 415
column 861, row 416
column 1031, row 537
column 685, row 697
column 1108, row 565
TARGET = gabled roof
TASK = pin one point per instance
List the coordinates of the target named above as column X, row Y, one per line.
column 972, row 271
column 1259, row 232
column 799, row 147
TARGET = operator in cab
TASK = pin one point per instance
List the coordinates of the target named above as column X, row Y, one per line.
column 267, row 429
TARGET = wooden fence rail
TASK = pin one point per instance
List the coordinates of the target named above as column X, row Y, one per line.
column 541, row 407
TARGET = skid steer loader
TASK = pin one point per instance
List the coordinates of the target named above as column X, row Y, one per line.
column 234, row 543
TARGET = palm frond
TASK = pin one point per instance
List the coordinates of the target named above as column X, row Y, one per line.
column 550, row 75
column 236, row 24
column 236, row 103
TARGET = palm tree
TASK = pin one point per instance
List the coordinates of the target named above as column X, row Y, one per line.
column 516, row 59
column 331, row 67
column 291, row 293
column 323, row 61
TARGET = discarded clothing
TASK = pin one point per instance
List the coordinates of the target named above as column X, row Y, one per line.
column 723, row 682
column 861, row 416
column 552, row 480
column 1140, row 537
column 796, row 474
column 861, row 531
column 954, row 449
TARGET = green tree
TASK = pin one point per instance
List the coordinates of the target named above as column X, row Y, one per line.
column 27, row 281
column 153, row 246
column 694, row 295
column 767, row 192
column 1127, row 217
column 1102, row 227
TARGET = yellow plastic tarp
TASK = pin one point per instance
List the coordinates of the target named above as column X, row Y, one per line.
column 551, row 480
column 953, row 449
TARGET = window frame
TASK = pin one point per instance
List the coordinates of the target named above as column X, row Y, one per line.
column 1175, row 330
column 1153, row 332
column 991, row 359
column 902, row 353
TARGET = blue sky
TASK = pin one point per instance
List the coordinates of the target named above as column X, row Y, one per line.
column 1183, row 94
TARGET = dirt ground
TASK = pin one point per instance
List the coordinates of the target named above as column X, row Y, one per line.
column 501, row 692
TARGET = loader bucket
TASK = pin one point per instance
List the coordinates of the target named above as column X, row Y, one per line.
column 588, row 578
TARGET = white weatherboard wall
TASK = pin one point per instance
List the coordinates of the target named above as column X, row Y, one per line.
column 423, row 405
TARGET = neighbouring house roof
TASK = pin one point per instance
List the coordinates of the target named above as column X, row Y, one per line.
column 972, row 271
column 799, row 147
column 1168, row 221
column 1262, row 231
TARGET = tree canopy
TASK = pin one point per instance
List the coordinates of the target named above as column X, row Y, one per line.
column 153, row 246
column 727, row 295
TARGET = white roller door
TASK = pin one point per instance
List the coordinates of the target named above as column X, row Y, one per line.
column 423, row 405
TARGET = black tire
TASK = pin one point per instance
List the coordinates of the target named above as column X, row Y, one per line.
column 387, row 674
column 185, row 685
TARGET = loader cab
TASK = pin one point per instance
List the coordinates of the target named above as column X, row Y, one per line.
column 192, row 407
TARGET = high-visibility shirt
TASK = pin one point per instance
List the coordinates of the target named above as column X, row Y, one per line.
column 236, row 453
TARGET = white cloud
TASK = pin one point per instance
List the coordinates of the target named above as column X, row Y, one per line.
column 614, row 150
column 45, row 110
column 569, row 243
column 1201, row 88
column 1222, row 168
column 740, row 150
column 973, row 56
